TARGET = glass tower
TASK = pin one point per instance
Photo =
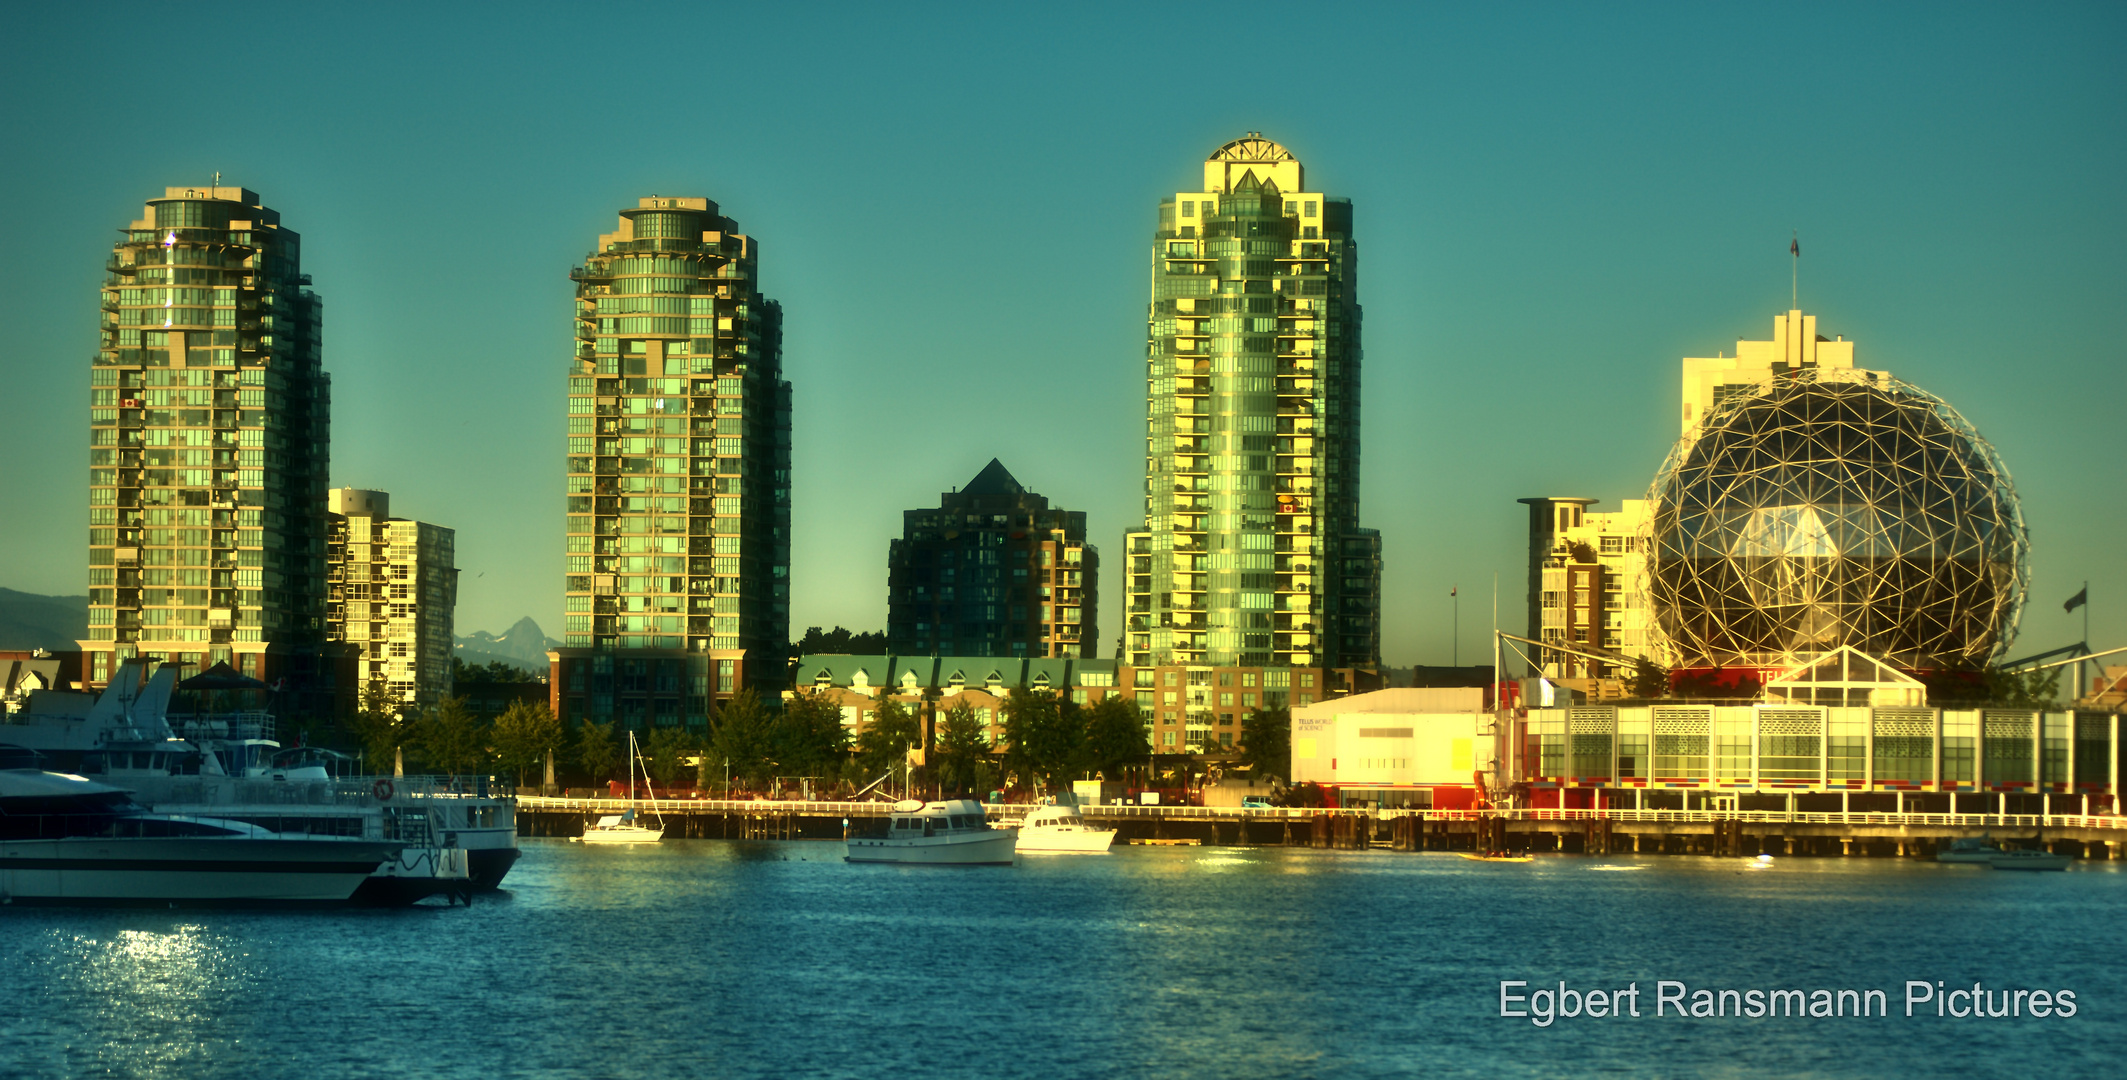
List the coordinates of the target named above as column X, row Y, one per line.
column 1251, row 553
column 679, row 472
column 994, row 570
column 209, row 430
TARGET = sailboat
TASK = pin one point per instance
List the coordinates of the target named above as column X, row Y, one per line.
column 621, row 828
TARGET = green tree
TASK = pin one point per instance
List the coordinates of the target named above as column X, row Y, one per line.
column 595, row 749
column 665, row 753
column 893, row 731
column 377, row 727
column 1045, row 734
column 963, row 748
column 743, row 734
column 1115, row 737
column 1266, row 743
column 809, row 738
column 494, row 671
column 1649, row 679
column 454, row 739
column 523, row 736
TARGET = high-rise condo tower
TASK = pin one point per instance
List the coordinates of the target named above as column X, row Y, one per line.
column 209, row 431
column 1251, row 553
column 679, row 472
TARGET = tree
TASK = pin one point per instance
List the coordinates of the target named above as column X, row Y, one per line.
column 494, row 671
column 1266, row 743
column 809, row 738
column 665, row 753
column 595, row 750
column 1115, row 737
column 377, row 727
column 1649, row 679
column 1046, row 735
column 742, row 733
column 454, row 739
column 893, row 731
column 523, row 735
column 963, row 746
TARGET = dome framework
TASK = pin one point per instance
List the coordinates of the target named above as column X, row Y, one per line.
column 1830, row 509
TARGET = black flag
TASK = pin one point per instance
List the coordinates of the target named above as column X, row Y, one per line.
column 2078, row 600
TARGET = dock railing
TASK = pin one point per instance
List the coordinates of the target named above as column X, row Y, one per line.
column 1012, row 812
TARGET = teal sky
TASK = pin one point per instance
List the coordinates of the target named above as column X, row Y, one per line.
column 1554, row 203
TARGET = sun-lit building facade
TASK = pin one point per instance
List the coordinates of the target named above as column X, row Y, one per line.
column 209, row 440
column 678, row 523
column 1251, row 553
column 393, row 595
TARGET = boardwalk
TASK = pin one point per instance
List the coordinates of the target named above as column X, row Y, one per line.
column 1737, row 832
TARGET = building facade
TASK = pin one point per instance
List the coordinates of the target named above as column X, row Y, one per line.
column 1795, row 347
column 1587, row 589
column 393, row 589
column 1186, row 709
column 209, row 440
column 678, row 568
column 1251, row 554
column 994, row 570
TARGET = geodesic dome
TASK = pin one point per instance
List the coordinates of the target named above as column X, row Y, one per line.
column 1831, row 509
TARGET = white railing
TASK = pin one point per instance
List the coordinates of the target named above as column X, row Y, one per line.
column 1015, row 811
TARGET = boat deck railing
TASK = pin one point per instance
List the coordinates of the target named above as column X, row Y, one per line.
column 346, row 791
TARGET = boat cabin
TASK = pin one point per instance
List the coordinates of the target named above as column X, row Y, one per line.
column 914, row 817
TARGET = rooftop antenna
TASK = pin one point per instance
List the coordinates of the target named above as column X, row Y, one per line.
column 217, row 178
column 1794, row 248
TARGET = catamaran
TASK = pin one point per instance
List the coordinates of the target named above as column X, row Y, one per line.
column 621, row 828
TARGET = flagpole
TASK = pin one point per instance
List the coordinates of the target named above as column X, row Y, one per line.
column 1455, row 626
column 1794, row 281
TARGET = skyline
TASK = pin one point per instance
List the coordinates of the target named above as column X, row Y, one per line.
column 1492, row 293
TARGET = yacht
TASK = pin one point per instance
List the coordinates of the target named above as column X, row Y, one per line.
column 1971, row 849
column 2026, row 859
column 66, row 839
column 1060, row 827
column 621, row 828
column 949, row 833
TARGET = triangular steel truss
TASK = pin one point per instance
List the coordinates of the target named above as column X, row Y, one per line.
column 1828, row 510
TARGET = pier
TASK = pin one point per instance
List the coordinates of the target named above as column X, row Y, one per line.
column 1593, row 832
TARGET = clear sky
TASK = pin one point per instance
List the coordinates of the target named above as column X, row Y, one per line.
column 1554, row 203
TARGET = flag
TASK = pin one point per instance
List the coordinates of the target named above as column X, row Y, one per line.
column 1794, row 247
column 1452, row 588
column 2078, row 600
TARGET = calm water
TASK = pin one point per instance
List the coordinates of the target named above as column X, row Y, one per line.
column 715, row 958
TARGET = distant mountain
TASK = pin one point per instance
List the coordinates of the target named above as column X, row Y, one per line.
column 523, row 645
column 30, row 621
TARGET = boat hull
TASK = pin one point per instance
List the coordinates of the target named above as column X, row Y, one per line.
column 187, row 871
column 1037, row 840
column 625, row 834
column 2030, row 860
column 992, row 847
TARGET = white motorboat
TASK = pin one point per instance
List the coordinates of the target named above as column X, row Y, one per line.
column 1060, row 827
column 621, row 828
column 950, row 833
column 2029, row 860
column 65, row 839
column 1971, row 849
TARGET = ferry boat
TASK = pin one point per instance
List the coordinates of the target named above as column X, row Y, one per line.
column 949, row 833
column 1059, row 827
column 452, row 832
column 65, row 839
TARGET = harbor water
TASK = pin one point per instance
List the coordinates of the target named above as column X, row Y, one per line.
column 743, row 959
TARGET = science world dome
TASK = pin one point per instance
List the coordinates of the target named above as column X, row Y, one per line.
column 1835, row 509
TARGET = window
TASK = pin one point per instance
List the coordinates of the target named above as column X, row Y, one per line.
column 1292, row 206
column 1310, row 209
column 1188, row 210
column 1167, row 738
